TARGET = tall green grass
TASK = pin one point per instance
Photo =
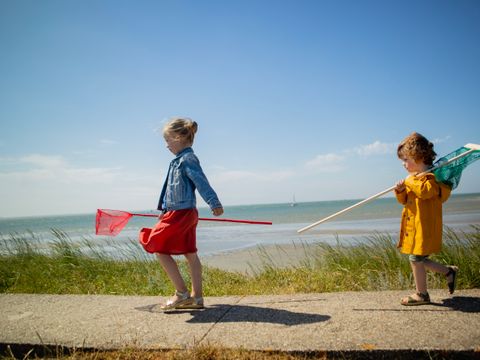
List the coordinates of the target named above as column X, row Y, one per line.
column 374, row 263
column 64, row 267
column 28, row 265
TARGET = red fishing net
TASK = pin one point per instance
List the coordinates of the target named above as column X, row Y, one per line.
column 111, row 222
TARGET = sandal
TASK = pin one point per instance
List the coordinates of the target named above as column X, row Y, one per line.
column 411, row 301
column 182, row 299
column 194, row 303
column 452, row 270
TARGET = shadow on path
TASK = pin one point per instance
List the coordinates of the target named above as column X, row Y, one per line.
column 224, row 313
column 462, row 303
column 466, row 304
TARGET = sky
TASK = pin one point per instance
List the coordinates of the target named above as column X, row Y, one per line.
column 292, row 97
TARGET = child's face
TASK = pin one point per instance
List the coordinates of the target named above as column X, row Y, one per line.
column 174, row 143
column 411, row 165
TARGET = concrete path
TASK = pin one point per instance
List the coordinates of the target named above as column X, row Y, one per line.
column 305, row 322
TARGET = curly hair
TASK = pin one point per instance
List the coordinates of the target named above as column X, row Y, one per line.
column 417, row 147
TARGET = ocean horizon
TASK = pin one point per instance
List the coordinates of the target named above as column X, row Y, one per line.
column 382, row 215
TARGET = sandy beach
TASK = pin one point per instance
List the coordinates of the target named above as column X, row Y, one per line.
column 251, row 259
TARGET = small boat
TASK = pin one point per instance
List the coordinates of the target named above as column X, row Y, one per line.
column 293, row 203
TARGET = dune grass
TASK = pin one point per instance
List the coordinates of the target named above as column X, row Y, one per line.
column 373, row 264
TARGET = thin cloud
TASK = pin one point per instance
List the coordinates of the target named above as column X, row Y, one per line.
column 44, row 161
column 229, row 176
column 7, row 160
column 108, row 142
column 333, row 162
column 441, row 140
column 326, row 163
column 56, row 168
column 376, row 148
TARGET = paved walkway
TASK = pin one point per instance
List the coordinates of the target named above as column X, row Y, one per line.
column 304, row 322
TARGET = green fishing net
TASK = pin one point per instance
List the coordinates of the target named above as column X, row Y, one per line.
column 448, row 169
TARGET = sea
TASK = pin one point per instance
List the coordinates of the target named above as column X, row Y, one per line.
column 380, row 216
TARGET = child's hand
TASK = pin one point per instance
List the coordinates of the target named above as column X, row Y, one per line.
column 400, row 186
column 217, row 211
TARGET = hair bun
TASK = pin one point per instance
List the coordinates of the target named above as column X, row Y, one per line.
column 183, row 127
column 193, row 126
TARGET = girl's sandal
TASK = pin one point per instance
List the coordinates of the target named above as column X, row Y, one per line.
column 194, row 303
column 182, row 299
column 410, row 300
column 452, row 270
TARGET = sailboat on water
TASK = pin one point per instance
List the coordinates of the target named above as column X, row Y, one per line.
column 293, row 203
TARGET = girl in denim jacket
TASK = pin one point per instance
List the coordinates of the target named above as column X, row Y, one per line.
column 175, row 233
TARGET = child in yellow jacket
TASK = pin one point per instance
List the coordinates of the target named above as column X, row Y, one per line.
column 421, row 225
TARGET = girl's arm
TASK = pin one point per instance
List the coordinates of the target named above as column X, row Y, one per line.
column 195, row 173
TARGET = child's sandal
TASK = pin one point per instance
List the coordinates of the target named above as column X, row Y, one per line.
column 194, row 303
column 182, row 299
column 452, row 270
column 411, row 301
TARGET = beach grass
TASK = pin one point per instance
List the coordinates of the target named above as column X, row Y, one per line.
column 374, row 263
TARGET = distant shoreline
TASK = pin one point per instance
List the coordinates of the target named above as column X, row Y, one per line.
column 204, row 208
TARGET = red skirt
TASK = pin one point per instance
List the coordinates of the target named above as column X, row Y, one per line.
column 174, row 234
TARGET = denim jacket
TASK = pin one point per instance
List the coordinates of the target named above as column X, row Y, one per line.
column 184, row 176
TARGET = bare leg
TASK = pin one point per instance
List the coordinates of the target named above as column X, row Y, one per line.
column 436, row 267
column 442, row 269
column 196, row 274
column 171, row 268
column 420, row 276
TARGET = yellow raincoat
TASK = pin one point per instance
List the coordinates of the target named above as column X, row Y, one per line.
column 421, row 226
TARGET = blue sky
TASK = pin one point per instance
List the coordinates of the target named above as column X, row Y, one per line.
column 291, row 97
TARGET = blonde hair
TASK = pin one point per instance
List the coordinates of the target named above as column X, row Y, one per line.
column 184, row 128
column 417, row 147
